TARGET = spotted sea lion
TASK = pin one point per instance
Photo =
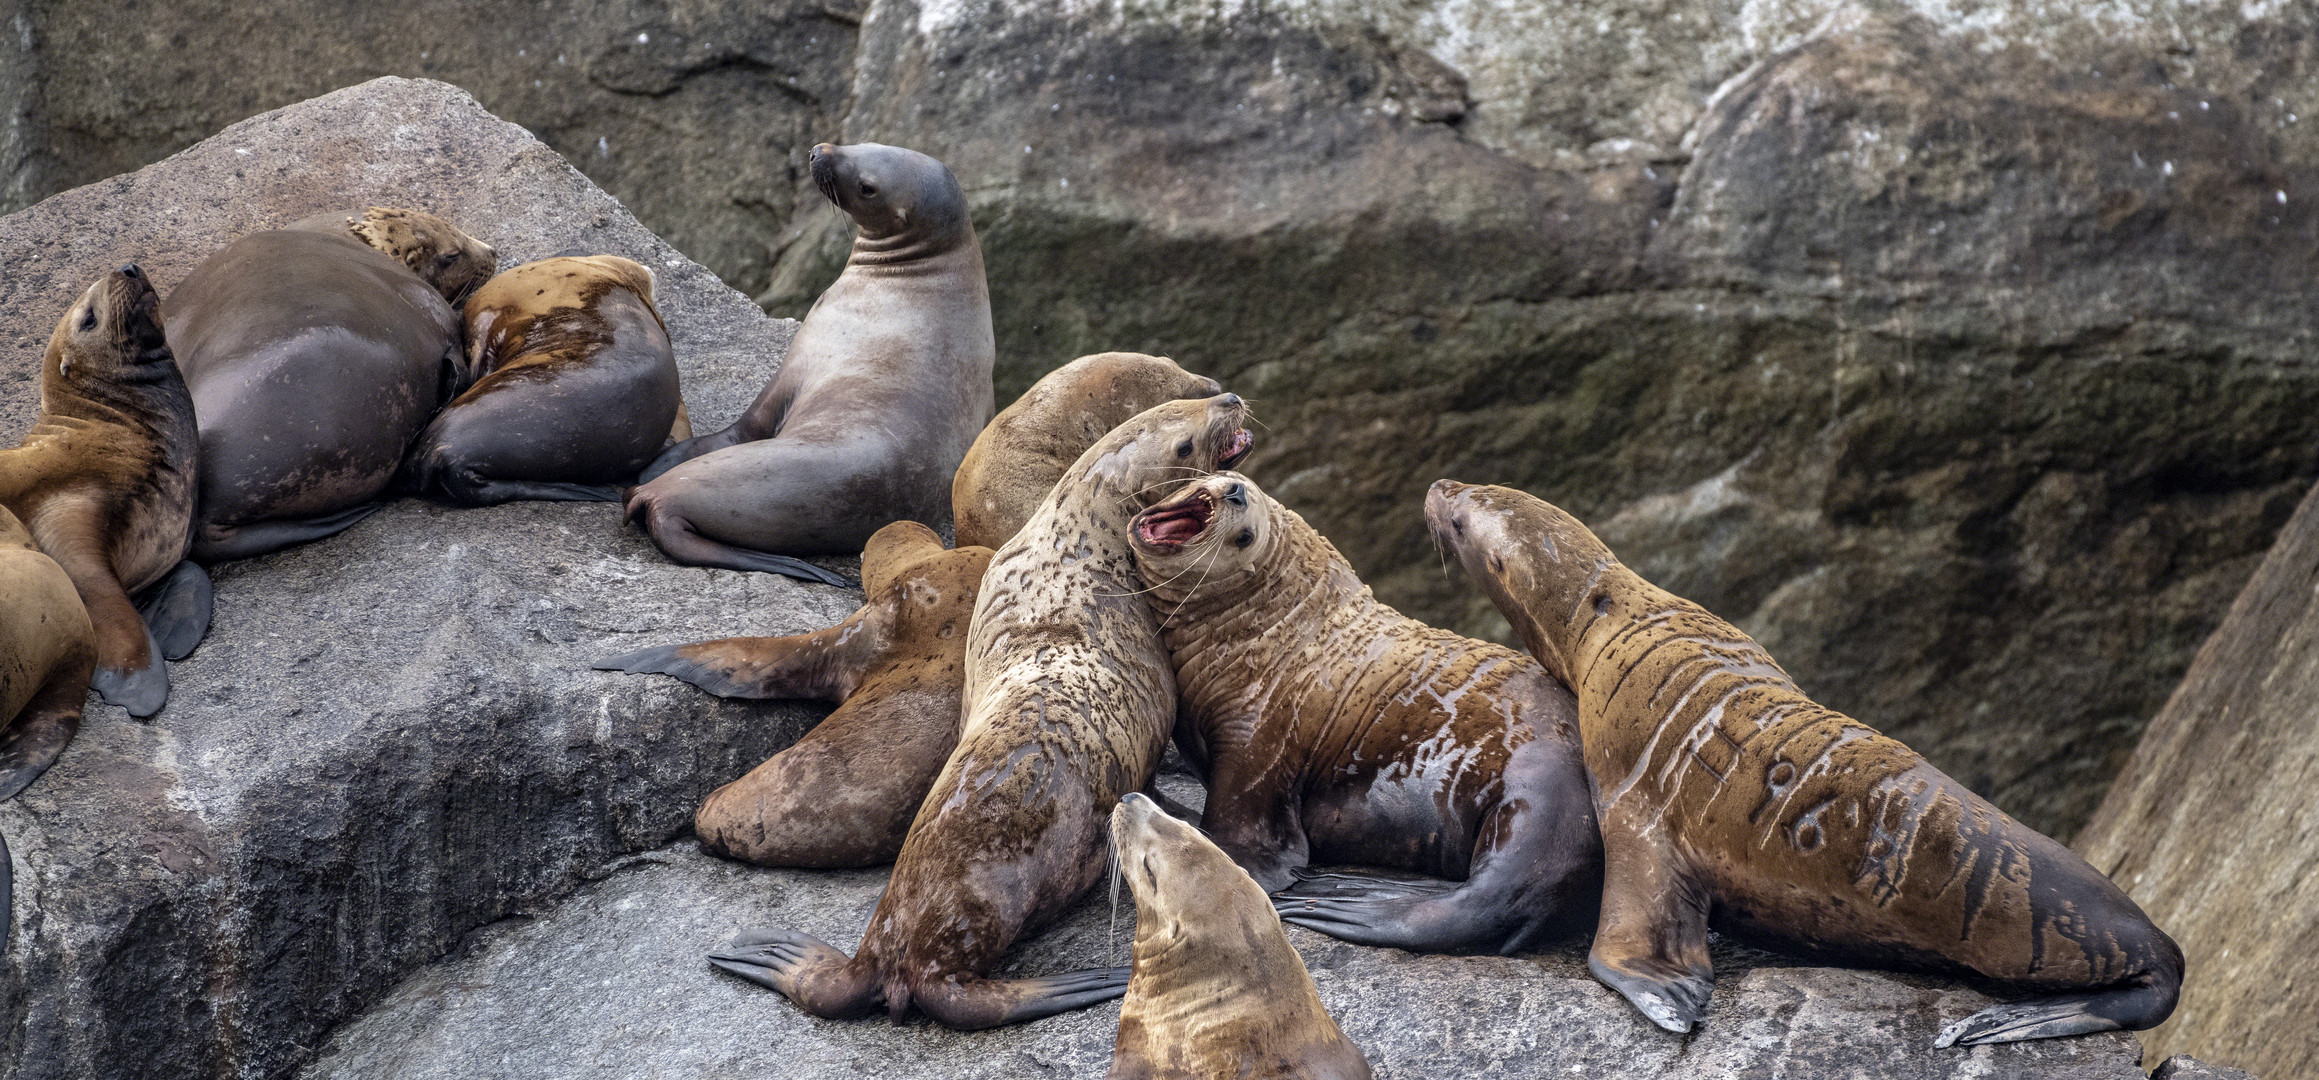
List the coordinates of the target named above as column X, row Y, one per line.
column 1333, row 729
column 48, row 650
column 885, row 386
column 315, row 353
column 1025, row 448
column 1217, row 991
column 104, row 482
column 1728, row 798
column 575, row 388
column 845, row 793
column 1069, row 701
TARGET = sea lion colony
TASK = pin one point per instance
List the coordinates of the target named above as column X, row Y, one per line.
column 1646, row 767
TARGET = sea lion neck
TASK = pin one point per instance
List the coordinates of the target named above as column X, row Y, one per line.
column 889, row 252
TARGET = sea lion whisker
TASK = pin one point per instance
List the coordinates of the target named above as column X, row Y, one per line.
column 1213, row 552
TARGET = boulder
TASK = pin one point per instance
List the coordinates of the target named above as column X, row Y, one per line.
column 391, row 737
column 2211, row 825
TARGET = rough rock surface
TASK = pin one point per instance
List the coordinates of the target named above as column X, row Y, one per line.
column 2211, row 827
column 391, row 737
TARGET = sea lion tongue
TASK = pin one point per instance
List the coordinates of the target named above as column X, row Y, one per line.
column 1175, row 526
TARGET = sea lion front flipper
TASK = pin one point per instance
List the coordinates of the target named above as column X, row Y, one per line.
column 2130, row 1007
column 1651, row 941
column 224, row 543
column 481, row 492
column 42, row 731
column 808, row 971
column 677, row 538
column 177, row 608
column 826, row 664
column 970, row 1004
column 142, row 688
column 690, row 449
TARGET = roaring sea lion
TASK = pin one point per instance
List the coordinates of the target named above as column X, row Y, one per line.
column 1728, row 798
column 48, row 650
column 886, row 384
column 104, row 482
column 1016, row 460
column 1069, row 704
column 1333, row 729
column 845, row 793
column 1217, row 991
column 315, row 353
column 575, row 388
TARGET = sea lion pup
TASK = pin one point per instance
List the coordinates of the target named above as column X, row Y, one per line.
column 48, row 650
column 104, row 482
column 1218, row 993
column 886, row 384
column 1016, row 460
column 575, row 388
column 1728, row 797
column 1333, row 729
column 1069, row 701
column 845, row 793
column 315, row 353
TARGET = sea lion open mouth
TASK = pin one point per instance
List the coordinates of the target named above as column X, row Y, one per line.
column 1172, row 526
column 1241, row 441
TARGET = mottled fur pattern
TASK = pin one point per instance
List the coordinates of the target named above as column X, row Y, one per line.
column 455, row 263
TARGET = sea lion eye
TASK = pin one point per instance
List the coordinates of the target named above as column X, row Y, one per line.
column 446, row 258
column 1246, row 537
column 1497, row 565
column 869, row 190
column 1184, row 450
column 1237, row 495
column 89, row 318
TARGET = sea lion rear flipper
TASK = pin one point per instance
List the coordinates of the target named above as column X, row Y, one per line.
column 177, row 609
column 1651, row 941
column 2131, row 1007
column 1422, row 915
column 216, row 544
column 971, row 1004
column 809, row 972
column 494, row 492
column 42, row 731
column 690, row 449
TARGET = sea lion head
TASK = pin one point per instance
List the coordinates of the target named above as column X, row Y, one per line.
column 891, row 192
column 1185, row 886
column 436, row 250
column 1212, row 531
column 1542, row 567
column 1107, row 388
column 1159, row 448
column 111, row 334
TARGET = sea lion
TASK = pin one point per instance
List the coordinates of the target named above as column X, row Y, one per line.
column 1333, row 729
column 1728, row 798
column 315, row 353
column 1217, row 990
column 1069, row 701
column 845, row 793
column 104, row 482
column 886, row 384
column 575, row 388
column 48, row 650
column 1018, row 457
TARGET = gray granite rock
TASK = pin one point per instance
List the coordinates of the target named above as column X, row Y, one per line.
column 2185, row 1067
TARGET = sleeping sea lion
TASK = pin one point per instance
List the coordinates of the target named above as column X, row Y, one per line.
column 104, row 482
column 885, row 386
column 845, row 793
column 1728, row 798
column 575, row 388
column 1217, row 990
column 1333, row 729
column 315, row 353
column 1018, row 457
column 1069, row 701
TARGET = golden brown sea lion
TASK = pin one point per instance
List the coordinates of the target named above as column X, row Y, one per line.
column 1217, row 993
column 884, row 388
column 845, row 793
column 48, row 650
column 1728, row 797
column 315, row 354
column 1333, row 729
column 1069, row 704
column 1016, row 460
column 575, row 388
column 104, row 482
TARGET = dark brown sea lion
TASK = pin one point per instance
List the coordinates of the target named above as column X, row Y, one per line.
column 104, row 482
column 845, row 793
column 1217, row 993
column 1016, row 460
column 575, row 388
column 884, row 388
column 315, row 353
column 1728, row 798
column 1069, row 704
column 48, row 650
column 1333, row 729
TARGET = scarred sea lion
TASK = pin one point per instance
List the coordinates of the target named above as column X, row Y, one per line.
column 1217, row 991
column 315, row 353
column 1069, row 703
column 1728, row 798
column 104, row 482
column 48, row 650
column 885, row 386
column 1333, row 729
column 845, row 793
column 1018, row 457
column 575, row 388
